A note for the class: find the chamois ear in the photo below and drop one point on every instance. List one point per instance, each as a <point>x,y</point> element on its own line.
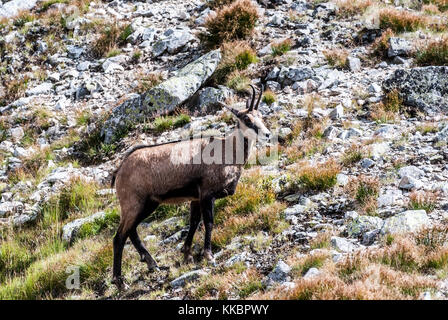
<point>223,105</point>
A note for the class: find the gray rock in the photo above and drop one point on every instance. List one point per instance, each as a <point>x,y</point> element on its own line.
<point>410,171</point>
<point>280,272</point>
<point>337,112</point>
<point>369,237</point>
<point>367,163</point>
<point>71,229</point>
<point>163,97</point>
<point>407,221</point>
<point>74,52</point>
<point>14,7</point>
<point>398,47</point>
<point>342,244</point>
<point>409,183</point>
<point>424,88</point>
<point>187,277</point>
<point>43,88</point>
<point>83,66</point>
<point>354,64</point>
<point>16,133</point>
<point>10,207</point>
<point>312,272</point>
<point>209,97</point>
<point>289,75</point>
<point>175,40</point>
<point>363,224</point>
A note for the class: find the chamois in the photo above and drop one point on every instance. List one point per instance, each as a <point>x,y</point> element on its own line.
<point>174,172</point>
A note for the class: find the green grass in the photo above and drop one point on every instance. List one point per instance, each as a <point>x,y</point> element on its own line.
<point>279,49</point>
<point>110,221</point>
<point>435,53</point>
<point>162,124</point>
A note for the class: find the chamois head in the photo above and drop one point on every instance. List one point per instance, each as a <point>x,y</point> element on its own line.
<point>250,120</point>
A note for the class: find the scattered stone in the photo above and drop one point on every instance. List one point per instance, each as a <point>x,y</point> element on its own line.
<point>342,244</point>
<point>187,277</point>
<point>407,221</point>
<point>280,272</point>
<point>71,229</point>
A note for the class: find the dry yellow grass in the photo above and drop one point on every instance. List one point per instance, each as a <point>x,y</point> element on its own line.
<point>350,8</point>
<point>336,57</point>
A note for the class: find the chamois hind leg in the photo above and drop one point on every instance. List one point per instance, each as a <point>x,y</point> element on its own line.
<point>144,254</point>
<point>207,207</point>
<point>195,218</point>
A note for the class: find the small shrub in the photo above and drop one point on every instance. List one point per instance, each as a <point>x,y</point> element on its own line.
<point>317,177</point>
<point>162,124</point>
<point>78,195</point>
<point>112,35</point>
<point>353,155</point>
<point>147,81</point>
<point>380,46</point>
<point>336,57</point>
<point>425,200</point>
<point>280,48</point>
<point>427,127</point>
<point>235,21</point>
<point>434,53</point>
<point>47,4</point>
<point>350,8</point>
<point>269,97</point>
<point>430,9</point>
<point>214,4</point>
<point>400,20</point>
<point>365,191</point>
<point>181,120</point>
<point>236,56</point>
<point>238,81</point>
<point>14,89</point>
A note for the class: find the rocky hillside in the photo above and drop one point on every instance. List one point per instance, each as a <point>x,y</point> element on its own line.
<point>350,204</point>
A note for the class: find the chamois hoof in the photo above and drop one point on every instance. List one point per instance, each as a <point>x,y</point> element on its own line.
<point>120,284</point>
<point>153,268</point>
<point>208,255</point>
<point>188,258</point>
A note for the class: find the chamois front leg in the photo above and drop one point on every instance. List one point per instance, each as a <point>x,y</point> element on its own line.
<point>195,218</point>
<point>207,207</point>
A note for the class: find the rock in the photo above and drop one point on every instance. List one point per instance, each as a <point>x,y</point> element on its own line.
<point>284,132</point>
<point>14,7</point>
<point>110,66</point>
<point>369,237</point>
<point>342,244</point>
<point>363,224</point>
<point>209,97</point>
<point>10,207</point>
<point>424,88</point>
<point>410,171</point>
<point>341,179</point>
<point>409,183</point>
<point>330,132</point>
<point>367,163</point>
<point>407,221</point>
<point>174,41</point>
<point>354,64</point>
<point>187,277</point>
<point>389,198</point>
<point>289,75</point>
<point>374,88</point>
<point>83,66</point>
<point>43,88</point>
<point>280,272</point>
<point>163,97</point>
<point>337,112</point>
<point>398,47</point>
<point>312,272</point>
<point>16,133</point>
<point>71,229</point>
<point>74,52</point>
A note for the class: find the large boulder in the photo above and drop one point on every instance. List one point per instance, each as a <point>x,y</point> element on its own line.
<point>161,98</point>
<point>407,221</point>
<point>13,8</point>
<point>71,229</point>
<point>424,88</point>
